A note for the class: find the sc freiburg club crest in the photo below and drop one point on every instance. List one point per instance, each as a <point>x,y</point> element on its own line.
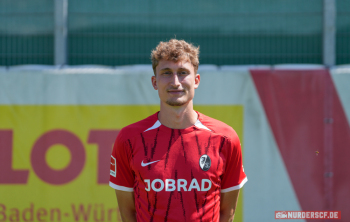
<point>205,162</point>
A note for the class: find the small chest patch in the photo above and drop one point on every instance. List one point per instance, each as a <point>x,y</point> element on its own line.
<point>205,162</point>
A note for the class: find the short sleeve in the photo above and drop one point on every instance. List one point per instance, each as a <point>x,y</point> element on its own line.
<point>234,176</point>
<point>121,175</point>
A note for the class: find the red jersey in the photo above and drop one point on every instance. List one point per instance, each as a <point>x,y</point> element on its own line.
<point>177,174</point>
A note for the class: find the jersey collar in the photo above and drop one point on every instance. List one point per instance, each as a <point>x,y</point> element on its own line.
<point>198,125</point>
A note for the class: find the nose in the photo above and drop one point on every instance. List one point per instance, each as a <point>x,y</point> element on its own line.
<point>175,82</point>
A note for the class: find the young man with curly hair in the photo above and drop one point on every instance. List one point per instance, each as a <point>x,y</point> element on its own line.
<point>177,164</point>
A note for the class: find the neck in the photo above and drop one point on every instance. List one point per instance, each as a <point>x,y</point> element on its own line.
<point>177,117</point>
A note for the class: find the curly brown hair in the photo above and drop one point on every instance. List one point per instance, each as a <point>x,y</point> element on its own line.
<point>175,50</point>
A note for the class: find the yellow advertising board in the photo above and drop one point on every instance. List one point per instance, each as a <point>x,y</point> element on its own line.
<point>54,163</point>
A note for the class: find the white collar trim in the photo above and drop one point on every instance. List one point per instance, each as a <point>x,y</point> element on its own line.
<point>198,124</point>
<point>155,126</point>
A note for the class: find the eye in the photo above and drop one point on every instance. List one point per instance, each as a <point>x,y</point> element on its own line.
<point>167,72</point>
<point>183,72</point>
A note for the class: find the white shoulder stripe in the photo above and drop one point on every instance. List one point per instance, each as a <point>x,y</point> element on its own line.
<point>239,186</point>
<point>117,187</point>
<point>200,125</point>
<point>155,126</point>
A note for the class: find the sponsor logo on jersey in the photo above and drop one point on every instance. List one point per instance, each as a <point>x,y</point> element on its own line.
<point>205,162</point>
<point>113,170</point>
<point>146,164</point>
<point>158,185</point>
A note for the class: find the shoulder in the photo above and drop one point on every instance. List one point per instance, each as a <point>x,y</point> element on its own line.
<point>218,127</point>
<point>134,129</point>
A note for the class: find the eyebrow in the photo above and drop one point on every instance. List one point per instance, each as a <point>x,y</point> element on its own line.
<point>166,69</point>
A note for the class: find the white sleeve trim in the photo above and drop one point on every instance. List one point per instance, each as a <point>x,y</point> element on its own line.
<point>239,186</point>
<point>115,186</point>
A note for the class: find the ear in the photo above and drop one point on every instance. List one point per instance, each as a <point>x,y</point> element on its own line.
<point>197,80</point>
<point>154,82</point>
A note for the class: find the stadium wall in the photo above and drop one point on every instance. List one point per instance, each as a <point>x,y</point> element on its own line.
<point>57,127</point>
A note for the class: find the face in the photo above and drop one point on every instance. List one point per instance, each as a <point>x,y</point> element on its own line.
<point>175,82</point>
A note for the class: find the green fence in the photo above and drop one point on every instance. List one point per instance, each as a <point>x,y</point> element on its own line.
<point>343,32</point>
<point>26,32</point>
<point>124,32</point>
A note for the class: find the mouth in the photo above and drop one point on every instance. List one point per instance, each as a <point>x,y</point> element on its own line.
<point>172,91</point>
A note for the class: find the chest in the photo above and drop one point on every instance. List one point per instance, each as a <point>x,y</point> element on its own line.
<point>174,156</point>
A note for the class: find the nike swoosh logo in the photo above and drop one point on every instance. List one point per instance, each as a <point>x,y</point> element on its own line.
<point>146,164</point>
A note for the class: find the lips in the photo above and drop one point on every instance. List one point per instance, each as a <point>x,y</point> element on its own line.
<point>175,91</point>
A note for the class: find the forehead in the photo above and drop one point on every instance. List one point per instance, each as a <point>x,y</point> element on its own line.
<point>166,64</point>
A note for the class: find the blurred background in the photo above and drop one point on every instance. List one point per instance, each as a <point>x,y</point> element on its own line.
<point>73,73</point>
<point>123,32</point>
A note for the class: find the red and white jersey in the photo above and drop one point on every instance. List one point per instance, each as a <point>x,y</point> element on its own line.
<point>177,174</point>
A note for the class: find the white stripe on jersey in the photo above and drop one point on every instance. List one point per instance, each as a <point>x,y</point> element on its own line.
<point>239,186</point>
<point>117,187</point>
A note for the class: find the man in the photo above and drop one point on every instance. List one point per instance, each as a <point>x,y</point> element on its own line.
<point>177,164</point>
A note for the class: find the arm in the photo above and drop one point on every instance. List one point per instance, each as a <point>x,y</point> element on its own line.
<point>228,205</point>
<point>126,203</point>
